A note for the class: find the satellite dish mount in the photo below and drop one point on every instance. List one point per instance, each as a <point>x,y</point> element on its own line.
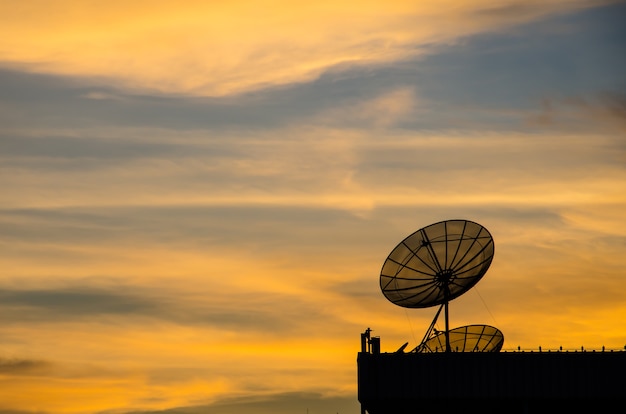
<point>435,265</point>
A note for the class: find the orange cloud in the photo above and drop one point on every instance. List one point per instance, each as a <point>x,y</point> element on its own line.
<point>219,48</point>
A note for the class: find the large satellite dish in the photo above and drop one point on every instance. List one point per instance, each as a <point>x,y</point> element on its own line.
<point>435,265</point>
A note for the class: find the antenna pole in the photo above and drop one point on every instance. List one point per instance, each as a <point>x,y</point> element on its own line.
<point>447,295</point>
<point>447,330</point>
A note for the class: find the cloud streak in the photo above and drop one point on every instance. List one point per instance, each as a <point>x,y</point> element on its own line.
<point>251,312</point>
<point>14,366</point>
<point>273,404</point>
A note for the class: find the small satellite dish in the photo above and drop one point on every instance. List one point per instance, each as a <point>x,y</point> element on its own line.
<point>436,264</point>
<point>470,338</point>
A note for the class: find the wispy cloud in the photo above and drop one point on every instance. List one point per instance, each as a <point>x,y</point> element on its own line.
<point>16,366</point>
<point>602,112</point>
<point>223,309</point>
<point>217,49</point>
<point>271,404</point>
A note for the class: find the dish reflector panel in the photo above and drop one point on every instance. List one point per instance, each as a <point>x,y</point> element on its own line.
<point>437,264</point>
<point>470,338</point>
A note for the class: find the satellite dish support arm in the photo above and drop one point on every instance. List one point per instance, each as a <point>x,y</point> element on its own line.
<point>429,330</point>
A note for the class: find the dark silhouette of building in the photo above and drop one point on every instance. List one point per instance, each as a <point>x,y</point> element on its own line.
<point>491,382</point>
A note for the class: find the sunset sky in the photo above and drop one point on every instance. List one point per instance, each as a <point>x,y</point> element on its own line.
<point>197,197</point>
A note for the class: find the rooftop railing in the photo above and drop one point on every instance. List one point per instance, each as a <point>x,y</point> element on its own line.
<point>561,349</point>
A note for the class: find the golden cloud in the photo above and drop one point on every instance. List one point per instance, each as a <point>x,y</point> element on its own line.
<point>219,48</point>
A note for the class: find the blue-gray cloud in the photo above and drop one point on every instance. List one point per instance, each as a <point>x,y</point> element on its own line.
<point>559,55</point>
<point>197,227</point>
<point>80,302</point>
<point>101,148</point>
<point>238,311</point>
